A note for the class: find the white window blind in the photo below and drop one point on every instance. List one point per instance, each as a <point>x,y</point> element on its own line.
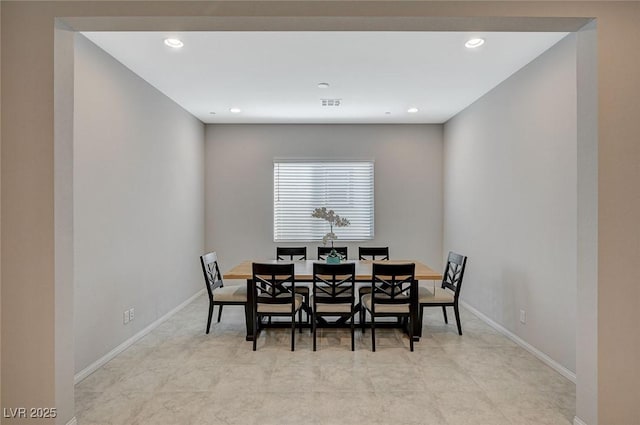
<point>301,186</point>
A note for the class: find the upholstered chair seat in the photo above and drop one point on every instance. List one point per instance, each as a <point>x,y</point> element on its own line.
<point>230,293</point>
<point>280,308</point>
<point>333,308</point>
<point>385,308</point>
<point>441,295</point>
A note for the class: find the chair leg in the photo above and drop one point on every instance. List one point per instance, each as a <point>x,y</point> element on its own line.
<point>219,312</point>
<point>210,314</point>
<point>313,326</point>
<point>293,331</point>
<point>300,320</point>
<point>362,318</point>
<point>248,319</point>
<point>457,312</point>
<point>410,326</point>
<point>444,311</point>
<point>373,333</point>
<point>353,319</point>
<point>256,320</point>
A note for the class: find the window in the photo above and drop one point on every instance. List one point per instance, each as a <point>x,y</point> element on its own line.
<point>301,186</point>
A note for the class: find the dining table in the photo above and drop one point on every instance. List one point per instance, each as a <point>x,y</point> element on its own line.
<point>303,272</point>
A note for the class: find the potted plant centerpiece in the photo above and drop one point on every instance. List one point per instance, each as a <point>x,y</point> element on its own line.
<point>334,220</point>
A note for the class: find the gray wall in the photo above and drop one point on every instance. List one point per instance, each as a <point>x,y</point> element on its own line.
<point>63,202</point>
<point>587,274</point>
<point>511,202</point>
<point>408,184</point>
<point>139,203</point>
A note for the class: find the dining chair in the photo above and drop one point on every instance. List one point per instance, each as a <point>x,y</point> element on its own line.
<point>370,253</point>
<point>219,294</point>
<point>296,253</point>
<point>394,293</point>
<point>373,253</point>
<point>323,251</point>
<point>333,294</point>
<point>448,292</point>
<point>273,289</point>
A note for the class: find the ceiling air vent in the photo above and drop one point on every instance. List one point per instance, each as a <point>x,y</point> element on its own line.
<point>331,102</point>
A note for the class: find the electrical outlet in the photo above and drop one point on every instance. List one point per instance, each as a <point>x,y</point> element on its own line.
<point>523,317</point>
<point>131,314</point>
<point>126,317</point>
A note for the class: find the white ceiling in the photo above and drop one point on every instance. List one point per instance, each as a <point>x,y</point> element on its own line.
<point>273,76</point>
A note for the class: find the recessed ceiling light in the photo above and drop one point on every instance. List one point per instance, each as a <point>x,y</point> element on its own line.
<point>323,85</point>
<point>173,42</point>
<point>412,110</point>
<point>235,110</point>
<point>472,43</point>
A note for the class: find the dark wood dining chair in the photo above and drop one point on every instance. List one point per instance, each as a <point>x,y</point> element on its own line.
<point>296,253</point>
<point>333,294</point>
<point>273,289</point>
<point>370,253</point>
<point>394,293</point>
<point>373,253</point>
<point>219,294</point>
<point>323,251</point>
<point>447,294</point>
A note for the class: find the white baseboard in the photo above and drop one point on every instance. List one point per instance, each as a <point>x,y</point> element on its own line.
<point>530,348</point>
<point>120,348</point>
<point>578,421</point>
<point>73,421</point>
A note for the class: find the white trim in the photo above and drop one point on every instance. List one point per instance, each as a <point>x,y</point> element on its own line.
<point>321,159</point>
<point>73,421</point>
<point>530,348</point>
<point>578,421</point>
<point>129,342</point>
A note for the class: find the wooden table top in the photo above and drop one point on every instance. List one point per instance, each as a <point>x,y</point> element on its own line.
<point>304,269</point>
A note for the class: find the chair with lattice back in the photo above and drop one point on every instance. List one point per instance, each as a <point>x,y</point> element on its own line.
<point>333,294</point>
<point>219,294</point>
<point>371,253</point>
<point>449,291</point>
<point>273,288</point>
<point>296,253</point>
<point>323,251</point>
<point>394,293</point>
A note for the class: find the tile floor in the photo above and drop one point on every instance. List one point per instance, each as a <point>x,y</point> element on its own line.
<point>178,375</point>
